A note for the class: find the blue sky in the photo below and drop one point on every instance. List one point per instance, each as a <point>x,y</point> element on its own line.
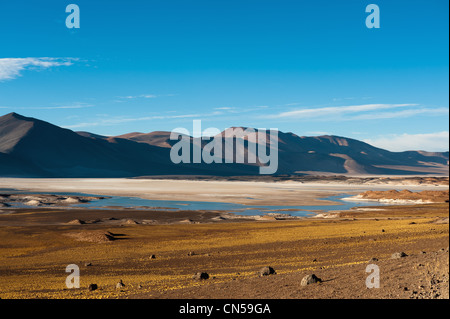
<point>307,67</point>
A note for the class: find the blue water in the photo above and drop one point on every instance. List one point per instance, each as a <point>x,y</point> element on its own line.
<point>141,203</point>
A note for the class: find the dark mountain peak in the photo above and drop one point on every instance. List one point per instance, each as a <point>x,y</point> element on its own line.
<point>14,115</point>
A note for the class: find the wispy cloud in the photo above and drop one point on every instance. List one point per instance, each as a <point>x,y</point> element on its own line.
<point>11,68</point>
<point>436,142</point>
<point>400,114</point>
<point>334,111</point>
<point>122,120</point>
<point>141,96</point>
<point>76,105</point>
<point>225,108</point>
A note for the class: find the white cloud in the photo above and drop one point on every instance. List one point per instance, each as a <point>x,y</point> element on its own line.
<point>141,96</point>
<point>11,68</point>
<point>326,112</point>
<point>432,142</point>
<point>400,114</point>
<point>224,108</point>
<point>120,120</point>
<point>76,105</point>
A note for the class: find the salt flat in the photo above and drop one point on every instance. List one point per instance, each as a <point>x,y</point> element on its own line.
<point>287,193</point>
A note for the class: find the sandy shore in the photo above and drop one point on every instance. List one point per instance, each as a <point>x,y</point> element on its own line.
<point>287,193</point>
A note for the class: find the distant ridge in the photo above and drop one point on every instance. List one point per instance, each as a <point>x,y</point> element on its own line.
<point>30,147</point>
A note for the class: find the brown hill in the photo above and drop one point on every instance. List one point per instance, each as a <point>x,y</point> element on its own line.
<point>34,148</point>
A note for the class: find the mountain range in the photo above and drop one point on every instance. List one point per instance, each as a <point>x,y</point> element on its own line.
<point>31,147</point>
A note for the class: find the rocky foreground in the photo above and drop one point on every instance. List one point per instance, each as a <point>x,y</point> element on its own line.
<point>420,276</point>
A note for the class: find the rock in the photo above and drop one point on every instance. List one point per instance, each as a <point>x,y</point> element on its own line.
<point>191,253</point>
<point>373,259</point>
<point>383,231</point>
<point>266,271</point>
<point>310,279</point>
<point>120,284</point>
<point>92,287</point>
<point>152,257</point>
<point>201,276</point>
<point>398,255</point>
<point>87,264</point>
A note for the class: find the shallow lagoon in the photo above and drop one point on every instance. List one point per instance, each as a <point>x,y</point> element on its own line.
<point>141,203</point>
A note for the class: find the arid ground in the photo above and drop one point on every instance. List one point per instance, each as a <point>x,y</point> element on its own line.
<point>158,259</point>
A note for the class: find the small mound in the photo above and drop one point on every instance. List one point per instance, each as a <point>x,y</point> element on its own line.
<point>76,222</point>
<point>71,200</point>
<point>131,222</point>
<point>33,202</point>
<point>93,237</point>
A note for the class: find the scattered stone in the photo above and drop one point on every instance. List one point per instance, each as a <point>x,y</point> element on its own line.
<point>266,271</point>
<point>310,279</point>
<point>398,255</point>
<point>201,276</point>
<point>92,287</point>
<point>120,284</point>
<point>87,264</point>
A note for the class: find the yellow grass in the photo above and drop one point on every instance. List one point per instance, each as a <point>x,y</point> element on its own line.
<point>33,259</point>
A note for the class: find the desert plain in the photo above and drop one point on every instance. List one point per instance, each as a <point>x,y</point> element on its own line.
<point>155,253</point>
